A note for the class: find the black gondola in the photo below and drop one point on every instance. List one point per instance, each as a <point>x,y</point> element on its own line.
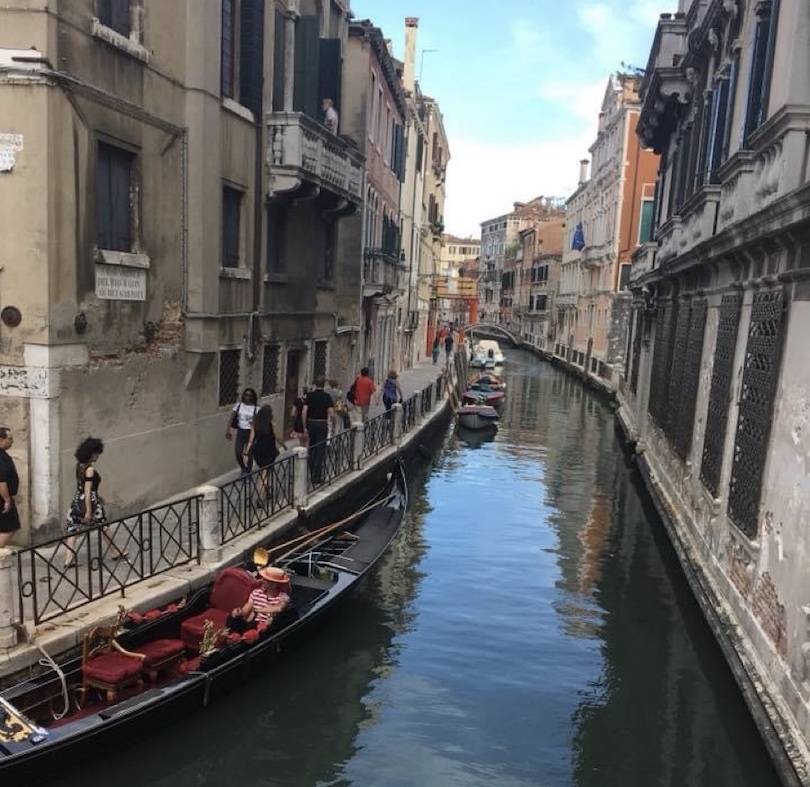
<point>324,569</point>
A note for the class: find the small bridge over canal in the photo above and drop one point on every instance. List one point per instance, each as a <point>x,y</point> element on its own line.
<point>490,330</point>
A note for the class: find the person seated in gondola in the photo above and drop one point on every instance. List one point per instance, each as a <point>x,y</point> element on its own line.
<point>265,603</point>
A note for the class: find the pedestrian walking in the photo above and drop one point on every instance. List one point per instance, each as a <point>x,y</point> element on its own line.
<point>448,345</point>
<point>364,389</point>
<point>392,391</point>
<point>339,403</point>
<point>239,423</point>
<point>263,445</point>
<point>87,507</point>
<point>437,348</point>
<point>298,431</point>
<point>318,413</point>
<point>9,486</point>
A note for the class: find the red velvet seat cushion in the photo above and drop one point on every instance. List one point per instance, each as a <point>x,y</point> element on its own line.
<point>112,668</point>
<point>191,630</point>
<point>160,649</point>
<point>231,589</point>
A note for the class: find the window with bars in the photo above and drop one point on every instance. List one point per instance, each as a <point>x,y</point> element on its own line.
<point>228,376</point>
<point>116,15</point>
<point>319,359</point>
<point>270,368</point>
<point>115,197</point>
<point>231,213</point>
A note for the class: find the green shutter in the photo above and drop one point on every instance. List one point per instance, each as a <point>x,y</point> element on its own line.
<point>645,226</point>
<point>307,58</point>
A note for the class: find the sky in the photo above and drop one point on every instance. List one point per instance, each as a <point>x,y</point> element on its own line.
<point>520,86</point>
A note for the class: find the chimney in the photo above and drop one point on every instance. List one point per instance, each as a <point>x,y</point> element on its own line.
<point>583,171</point>
<point>411,26</point>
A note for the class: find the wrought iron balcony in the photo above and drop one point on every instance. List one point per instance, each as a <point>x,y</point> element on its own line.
<point>301,151</point>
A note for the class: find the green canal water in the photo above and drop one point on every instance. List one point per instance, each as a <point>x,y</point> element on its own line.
<point>529,628</point>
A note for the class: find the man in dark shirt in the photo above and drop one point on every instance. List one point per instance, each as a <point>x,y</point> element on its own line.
<point>9,485</point>
<point>318,414</point>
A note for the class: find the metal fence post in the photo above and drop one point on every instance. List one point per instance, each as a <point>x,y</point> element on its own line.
<point>420,404</point>
<point>300,476</point>
<point>397,413</point>
<point>359,444</point>
<point>210,525</point>
<point>8,634</point>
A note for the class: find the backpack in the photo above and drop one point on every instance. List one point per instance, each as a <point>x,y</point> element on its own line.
<point>389,391</point>
<point>352,394</point>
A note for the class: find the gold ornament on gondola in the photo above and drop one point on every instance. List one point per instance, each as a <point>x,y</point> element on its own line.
<point>261,557</point>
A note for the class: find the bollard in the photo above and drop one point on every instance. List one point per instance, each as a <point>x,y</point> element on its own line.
<point>397,411</point>
<point>8,633</point>
<point>210,526</point>
<point>359,444</point>
<point>300,476</point>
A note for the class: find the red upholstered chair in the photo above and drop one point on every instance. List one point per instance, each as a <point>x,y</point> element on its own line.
<point>160,654</point>
<point>231,589</point>
<point>108,666</point>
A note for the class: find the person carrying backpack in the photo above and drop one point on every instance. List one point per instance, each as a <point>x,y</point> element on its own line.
<point>391,392</point>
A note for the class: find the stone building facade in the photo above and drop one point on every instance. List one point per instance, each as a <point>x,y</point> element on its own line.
<point>717,382</point>
<point>608,216</point>
<point>374,115</point>
<point>171,201</point>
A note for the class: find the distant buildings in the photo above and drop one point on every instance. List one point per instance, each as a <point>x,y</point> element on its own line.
<point>607,217</point>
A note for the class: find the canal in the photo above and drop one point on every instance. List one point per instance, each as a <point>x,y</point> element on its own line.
<point>529,627</point>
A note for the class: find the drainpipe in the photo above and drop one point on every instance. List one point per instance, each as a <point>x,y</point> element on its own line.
<point>258,210</point>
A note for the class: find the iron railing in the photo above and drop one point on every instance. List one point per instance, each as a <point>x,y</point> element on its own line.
<point>379,433</point>
<point>250,500</point>
<point>409,413</point>
<point>331,459</point>
<point>107,559</point>
<point>426,404</point>
<point>439,388</point>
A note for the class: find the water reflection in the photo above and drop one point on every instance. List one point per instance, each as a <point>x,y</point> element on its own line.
<point>529,627</point>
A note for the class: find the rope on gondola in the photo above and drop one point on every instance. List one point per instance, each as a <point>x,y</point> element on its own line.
<point>47,661</point>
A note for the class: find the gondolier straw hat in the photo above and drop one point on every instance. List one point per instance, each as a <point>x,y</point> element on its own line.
<point>274,574</point>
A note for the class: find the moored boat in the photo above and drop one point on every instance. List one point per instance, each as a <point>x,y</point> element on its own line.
<point>475,396</point>
<point>169,663</point>
<point>477,416</point>
<point>486,355</point>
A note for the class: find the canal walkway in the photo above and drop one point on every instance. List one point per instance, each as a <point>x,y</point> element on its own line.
<point>180,544</point>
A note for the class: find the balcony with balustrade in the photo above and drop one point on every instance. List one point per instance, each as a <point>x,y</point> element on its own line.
<point>383,273</point>
<point>303,154</point>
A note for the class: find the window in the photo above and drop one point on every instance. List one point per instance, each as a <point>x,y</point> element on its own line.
<point>270,364</point>
<point>276,238</point>
<point>115,198</point>
<point>759,83</point>
<point>228,49</point>
<point>115,14</point>
<point>251,55</point>
<point>624,276</point>
<point>645,225</point>
<point>278,62</point>
<point>329,231</point>
<point>228,377</point>
<point>231,210</point>
<point>319,359</point>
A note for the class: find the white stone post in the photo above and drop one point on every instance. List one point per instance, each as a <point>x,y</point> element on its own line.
<point>397,411</point>
<point>359,444</point>
<point>300,476</point>
<point>8,634</point>
<point>210,529</point>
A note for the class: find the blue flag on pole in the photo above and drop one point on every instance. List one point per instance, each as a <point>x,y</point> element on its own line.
<point>578,241</point>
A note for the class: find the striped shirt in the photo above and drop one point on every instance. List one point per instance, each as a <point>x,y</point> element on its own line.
<point>265,606</point>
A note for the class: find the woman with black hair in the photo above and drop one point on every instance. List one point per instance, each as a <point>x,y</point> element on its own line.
<point>239,421</point>
<point>262,444</point>
<point>87,508</point>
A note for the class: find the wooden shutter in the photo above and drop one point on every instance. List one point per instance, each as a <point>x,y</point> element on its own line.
<point>279,43</point>
<point>121,199</point>
<point>103,202</point>
<point>307,58</point>
<point>251,55</point>
<point>226,46</point>
<point>329,70</point>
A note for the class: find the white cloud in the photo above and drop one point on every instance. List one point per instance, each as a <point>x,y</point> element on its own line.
<point>583,99</point>
<point>484,180</point>
<point>528,41</point>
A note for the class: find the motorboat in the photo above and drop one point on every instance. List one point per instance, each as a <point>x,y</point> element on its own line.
<point>486,354</point>
<point>477,416</point>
